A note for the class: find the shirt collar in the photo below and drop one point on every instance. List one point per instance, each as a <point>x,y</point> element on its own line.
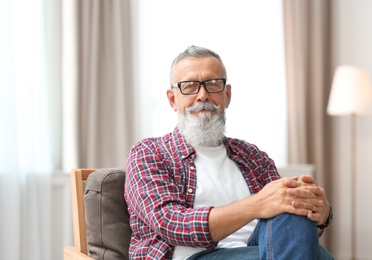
<point>183,148</point>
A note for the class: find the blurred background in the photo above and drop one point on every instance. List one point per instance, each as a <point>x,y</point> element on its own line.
<point>83,80</point>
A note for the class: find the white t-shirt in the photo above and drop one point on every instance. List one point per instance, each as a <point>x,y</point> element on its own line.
<point>219,182</point>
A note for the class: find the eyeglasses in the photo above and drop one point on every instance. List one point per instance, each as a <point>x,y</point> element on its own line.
<point>193,87</point>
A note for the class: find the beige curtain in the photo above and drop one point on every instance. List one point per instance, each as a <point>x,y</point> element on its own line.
<point>104,82</point>
<point>308,68</point>
<point>307,41</point>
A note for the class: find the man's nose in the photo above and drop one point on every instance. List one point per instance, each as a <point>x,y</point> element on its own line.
<point>203,95</point>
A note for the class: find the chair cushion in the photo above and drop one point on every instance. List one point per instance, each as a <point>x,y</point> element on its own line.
<point>106,214</point>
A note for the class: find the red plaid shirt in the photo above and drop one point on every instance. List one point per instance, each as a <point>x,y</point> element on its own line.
<point>160,191</point>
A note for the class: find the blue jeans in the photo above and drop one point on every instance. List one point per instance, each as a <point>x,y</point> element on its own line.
<point>286,236</point>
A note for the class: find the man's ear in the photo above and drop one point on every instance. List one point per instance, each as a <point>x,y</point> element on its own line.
<point>172,99</point>
<point>228,95</point>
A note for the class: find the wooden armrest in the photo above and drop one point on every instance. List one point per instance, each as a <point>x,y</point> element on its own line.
<point>72,253</point>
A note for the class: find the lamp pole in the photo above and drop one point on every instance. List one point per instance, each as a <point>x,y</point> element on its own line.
<point>353,186</point>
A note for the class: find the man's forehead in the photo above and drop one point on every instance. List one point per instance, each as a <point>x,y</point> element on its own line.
<point>192,63</point>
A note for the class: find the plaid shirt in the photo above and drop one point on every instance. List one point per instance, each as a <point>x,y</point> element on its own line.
<point>160,192</point>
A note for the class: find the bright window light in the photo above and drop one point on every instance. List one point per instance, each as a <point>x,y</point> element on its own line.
<point>248,35</point>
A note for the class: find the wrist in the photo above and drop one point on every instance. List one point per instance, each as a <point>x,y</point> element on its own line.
<point>328,221</point>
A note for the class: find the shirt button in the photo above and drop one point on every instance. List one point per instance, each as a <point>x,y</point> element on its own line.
<point>190,190</point>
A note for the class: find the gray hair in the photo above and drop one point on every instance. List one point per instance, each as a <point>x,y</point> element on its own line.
<point>196,51</point>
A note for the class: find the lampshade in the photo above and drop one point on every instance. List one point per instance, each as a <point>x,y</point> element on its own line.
<point>351,92</point>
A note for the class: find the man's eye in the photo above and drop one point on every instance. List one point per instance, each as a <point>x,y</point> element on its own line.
<point>189,85</point>
<point>211,84</point>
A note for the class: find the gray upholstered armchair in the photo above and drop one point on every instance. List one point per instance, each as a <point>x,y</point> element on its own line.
<point>100,215</point>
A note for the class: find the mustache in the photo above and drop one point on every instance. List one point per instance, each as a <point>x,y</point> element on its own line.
<point>202,106</point>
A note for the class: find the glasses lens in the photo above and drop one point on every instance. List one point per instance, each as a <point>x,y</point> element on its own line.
<point>215,85</point>
<point>212,86</point>
<point>189,87</point>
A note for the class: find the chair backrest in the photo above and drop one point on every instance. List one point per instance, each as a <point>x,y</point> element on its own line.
<point>100,215</point>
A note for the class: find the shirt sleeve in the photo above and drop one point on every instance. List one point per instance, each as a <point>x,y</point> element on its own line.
<point>157,204</point>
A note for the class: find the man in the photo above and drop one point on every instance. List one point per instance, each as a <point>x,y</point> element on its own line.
<point>196,194</point>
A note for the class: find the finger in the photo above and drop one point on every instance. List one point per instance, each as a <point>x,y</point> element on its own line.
<point>300,212</point>
<point>306,191</point>
<point>316,190</point>
<point>307,179</point>
<point>314,205</point>
<point>294,178</point>
<point>301,192</point>
<point>307,184</point>
<point>314,217</point>
<point>292,183</point>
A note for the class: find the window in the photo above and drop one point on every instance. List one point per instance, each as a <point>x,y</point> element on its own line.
<point>248,35</point>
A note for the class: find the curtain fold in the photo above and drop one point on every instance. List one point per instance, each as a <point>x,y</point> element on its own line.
<point>307,47</point>
<point>26,164</point>
<point>308,72</point>
<point>104,83</point>
<point>35,106</point>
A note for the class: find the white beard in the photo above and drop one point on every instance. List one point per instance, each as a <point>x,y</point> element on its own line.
<point>202,130</point>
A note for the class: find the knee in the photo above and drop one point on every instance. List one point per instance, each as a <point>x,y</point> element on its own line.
<point>286,227</point>
<point>298,226</point>
<point>292,218</point>
<point>287,236</point>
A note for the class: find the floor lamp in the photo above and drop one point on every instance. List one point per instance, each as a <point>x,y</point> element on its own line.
<point>351,95</point>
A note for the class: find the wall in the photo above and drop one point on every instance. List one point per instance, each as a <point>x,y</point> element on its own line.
<point>352,41</point>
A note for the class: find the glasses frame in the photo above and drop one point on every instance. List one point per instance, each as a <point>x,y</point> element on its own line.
<point>201,83</point>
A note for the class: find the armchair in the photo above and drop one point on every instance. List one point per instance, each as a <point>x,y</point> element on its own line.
<point>100,215</point>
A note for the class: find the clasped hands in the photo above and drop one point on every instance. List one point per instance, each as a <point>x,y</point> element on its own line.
<point>308,196</point>
<point>300,196</point>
